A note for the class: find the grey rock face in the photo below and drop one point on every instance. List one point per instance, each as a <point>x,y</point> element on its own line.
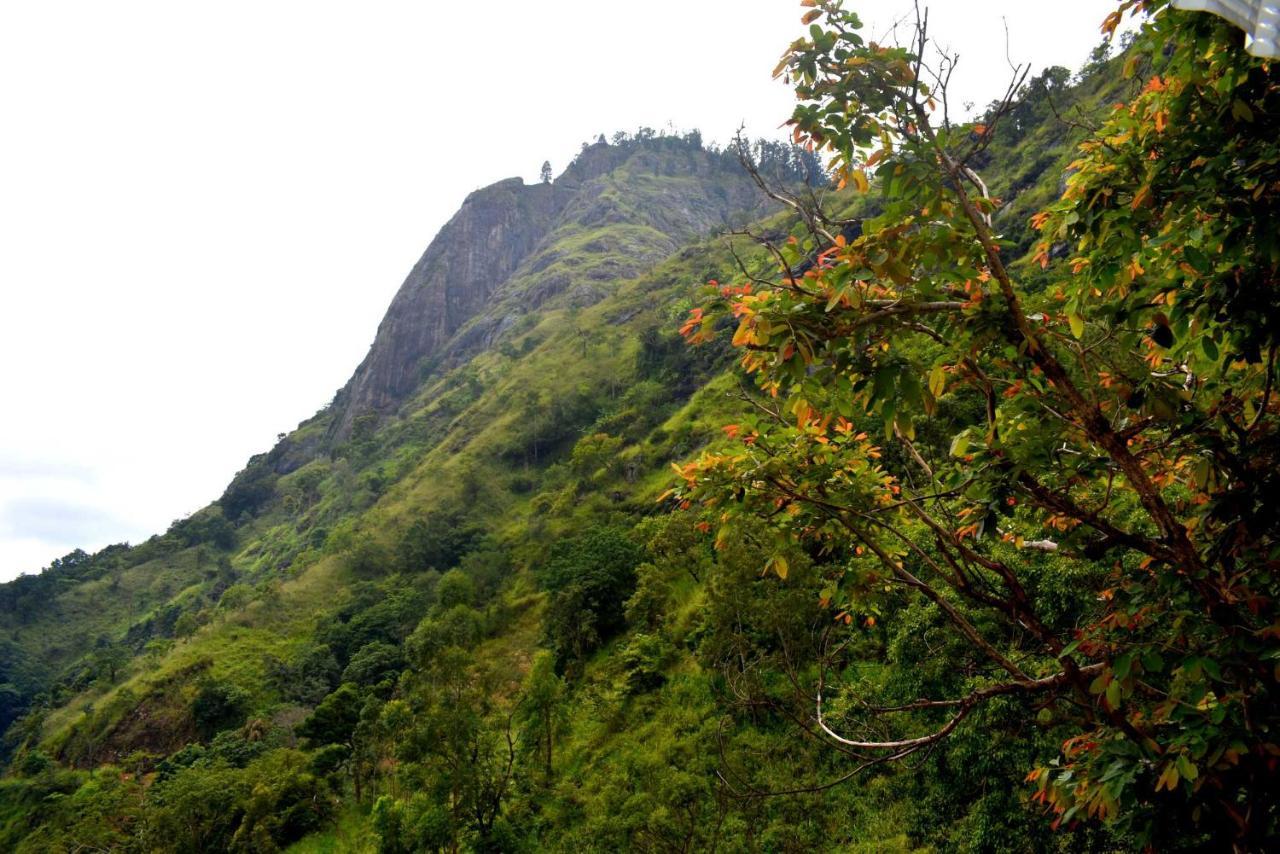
<point>503,252</point>
<point>475,252</point>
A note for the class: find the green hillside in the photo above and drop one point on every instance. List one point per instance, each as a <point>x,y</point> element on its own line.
<point>455,610</point>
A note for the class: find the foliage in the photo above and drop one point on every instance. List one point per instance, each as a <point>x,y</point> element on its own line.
<point>589,577</point>
<point>541,709</point>
<point>218,706</point>
<point>268,804</point>
<point>1127,422</point>
<point>437,542</point>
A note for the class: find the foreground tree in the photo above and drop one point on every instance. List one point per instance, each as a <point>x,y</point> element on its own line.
<point>1097,530</point>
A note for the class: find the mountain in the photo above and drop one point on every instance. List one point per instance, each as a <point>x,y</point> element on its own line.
<point>613,214</point>
<point>445,611</point>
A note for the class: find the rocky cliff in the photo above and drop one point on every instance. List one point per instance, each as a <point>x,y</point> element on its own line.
<point>615,212</point>
<point>476,251</point>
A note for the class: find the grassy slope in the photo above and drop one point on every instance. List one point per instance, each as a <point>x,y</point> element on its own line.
<point>475,435</point>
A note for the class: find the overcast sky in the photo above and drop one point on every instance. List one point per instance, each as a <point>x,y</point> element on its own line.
<point>205,207</point>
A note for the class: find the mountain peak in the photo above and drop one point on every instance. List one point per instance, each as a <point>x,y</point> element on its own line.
<point>669,188</point>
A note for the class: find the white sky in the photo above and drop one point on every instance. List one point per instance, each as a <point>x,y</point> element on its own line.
<point>206,207</point>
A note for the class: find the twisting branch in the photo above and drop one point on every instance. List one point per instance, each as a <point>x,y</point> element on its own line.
<point>964,707</point>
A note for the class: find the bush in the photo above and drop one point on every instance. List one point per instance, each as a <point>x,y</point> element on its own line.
<point>437,542</point>
<point>218,706</point>
<point>267,805</point>
<point>455,588</point>
<point>367,557</point>
<point>643,660</point>
<point>373,663</point>
<point>460,626</point>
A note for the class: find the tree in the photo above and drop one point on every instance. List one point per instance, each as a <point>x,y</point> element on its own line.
<point>545,174</point>
<point>1096,531</point>
<point>541,706</point>
<point>343,727</point>
<point>590,578</point>
<point>437,542</point>
<point>368,557</point>
<point>334,720</point>
<point>218,706</point>
<point>108,659</point>
<point>467,745</point>
<point>595,452</point>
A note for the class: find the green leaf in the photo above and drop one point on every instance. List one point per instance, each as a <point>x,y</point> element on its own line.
<point>1113,694</point>
<point>909,388</point>
<point>1210,348</point>
<point>1186,767</point>
<point>1197,259</point>
<point>1077,324</point>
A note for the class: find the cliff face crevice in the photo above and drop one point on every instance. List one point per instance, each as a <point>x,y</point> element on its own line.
<point>614,213</point>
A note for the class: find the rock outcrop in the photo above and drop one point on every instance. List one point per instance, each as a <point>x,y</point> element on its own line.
<point>512,245</point>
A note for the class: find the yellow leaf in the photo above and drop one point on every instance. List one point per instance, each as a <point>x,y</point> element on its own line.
<point>810,17</point>
<point>780,566</point>
<point>860,180</point>
<point>1077,324</point>
<point>937,381</point>
<point>1168,778</point>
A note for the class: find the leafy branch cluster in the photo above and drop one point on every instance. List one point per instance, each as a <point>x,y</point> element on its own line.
<point>1112,417</point>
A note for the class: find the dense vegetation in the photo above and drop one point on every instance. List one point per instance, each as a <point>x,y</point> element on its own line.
<point>969,546</point>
